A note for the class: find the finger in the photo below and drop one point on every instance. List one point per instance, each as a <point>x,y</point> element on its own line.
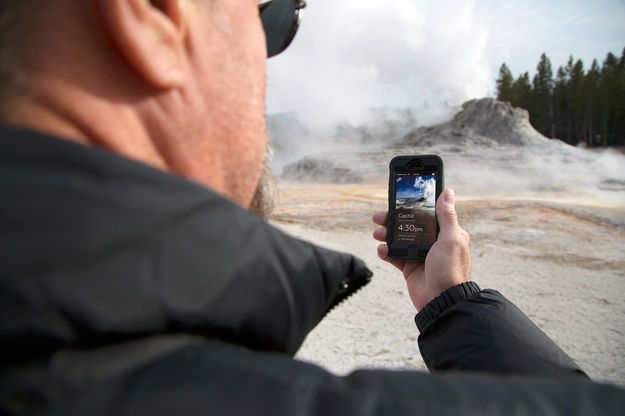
<point>380,218</point>
<point>446,213</point>
<point>380,234</point>
<point>383,254</point>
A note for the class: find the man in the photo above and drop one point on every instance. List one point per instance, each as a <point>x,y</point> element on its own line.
<point>133,281</point>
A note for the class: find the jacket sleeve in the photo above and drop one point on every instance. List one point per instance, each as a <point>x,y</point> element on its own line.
<point>220,379</point>
<point>469,329</point>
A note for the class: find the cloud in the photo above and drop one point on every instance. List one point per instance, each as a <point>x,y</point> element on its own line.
<point>353,55</point>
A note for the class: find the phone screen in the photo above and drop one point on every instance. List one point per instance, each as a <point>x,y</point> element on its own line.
<point>415,201</point>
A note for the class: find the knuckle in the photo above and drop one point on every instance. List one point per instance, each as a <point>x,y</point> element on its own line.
<point>452,215</point>
<point>453,239</point>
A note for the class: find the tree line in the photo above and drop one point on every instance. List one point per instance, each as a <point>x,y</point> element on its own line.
<point>576,105</point>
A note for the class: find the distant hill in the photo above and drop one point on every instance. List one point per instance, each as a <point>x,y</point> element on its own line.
<point>482,122</point>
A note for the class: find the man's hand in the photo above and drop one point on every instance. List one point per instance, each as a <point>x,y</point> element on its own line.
<point>446,265</point>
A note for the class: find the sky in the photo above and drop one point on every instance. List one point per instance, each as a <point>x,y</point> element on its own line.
<point>350,56</point>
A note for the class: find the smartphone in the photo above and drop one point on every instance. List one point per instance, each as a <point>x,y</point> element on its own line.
<point>415,183</point>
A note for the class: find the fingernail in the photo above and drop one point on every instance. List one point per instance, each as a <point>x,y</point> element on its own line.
<point>450,196</point>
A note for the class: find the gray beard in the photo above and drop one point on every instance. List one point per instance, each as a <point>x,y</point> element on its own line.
<point>266,194</point>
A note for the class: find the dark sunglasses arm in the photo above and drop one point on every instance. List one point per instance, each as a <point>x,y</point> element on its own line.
<point>263,4</point>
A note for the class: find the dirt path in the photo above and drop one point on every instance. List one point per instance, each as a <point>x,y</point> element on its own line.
<point>562,264</point>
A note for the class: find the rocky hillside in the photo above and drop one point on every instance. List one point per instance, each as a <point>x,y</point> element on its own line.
<point>490,150</point>
<point>483,122</point>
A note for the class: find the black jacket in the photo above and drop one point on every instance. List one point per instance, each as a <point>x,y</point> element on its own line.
<point>127,290</point>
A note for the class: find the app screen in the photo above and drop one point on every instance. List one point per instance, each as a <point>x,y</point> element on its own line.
<point>415,200</point>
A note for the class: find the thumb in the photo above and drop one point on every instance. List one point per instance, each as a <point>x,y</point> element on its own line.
<point>446,211</point>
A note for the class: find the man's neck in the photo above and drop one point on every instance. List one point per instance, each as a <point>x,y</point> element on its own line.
<point>71,114</point>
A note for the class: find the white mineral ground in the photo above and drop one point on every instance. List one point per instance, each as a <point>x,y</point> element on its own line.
<point>547,226</point>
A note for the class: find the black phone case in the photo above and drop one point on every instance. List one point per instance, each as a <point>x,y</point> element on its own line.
<point>414,253</point>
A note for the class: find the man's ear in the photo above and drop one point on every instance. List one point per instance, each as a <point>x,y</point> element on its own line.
<point>150,35</point>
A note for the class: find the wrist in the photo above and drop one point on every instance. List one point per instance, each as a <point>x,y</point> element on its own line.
<point>444,301</point>
<point>433,293</point>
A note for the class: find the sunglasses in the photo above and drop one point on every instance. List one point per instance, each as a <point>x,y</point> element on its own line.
<point>280,18</point>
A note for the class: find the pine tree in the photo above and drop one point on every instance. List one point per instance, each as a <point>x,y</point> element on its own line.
<point>505,91</point>
<point>591,108</point>
<point>608,86</point>
<point>523,94</point>
<point>578,102</point>
<point>543,115</point>
<point>561,105</point>
<point>620,94</point>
